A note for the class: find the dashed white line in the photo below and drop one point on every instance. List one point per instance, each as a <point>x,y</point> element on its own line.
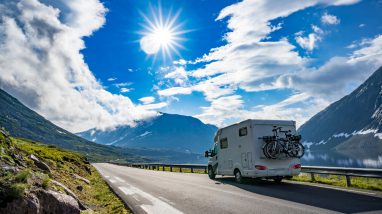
<point>135,197</point>
<point>156,205</point>
<point>119,179</point>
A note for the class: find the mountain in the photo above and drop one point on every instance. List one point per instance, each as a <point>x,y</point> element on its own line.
<point>167,131</point>
<point>22,122</point>
<point>352,124</point>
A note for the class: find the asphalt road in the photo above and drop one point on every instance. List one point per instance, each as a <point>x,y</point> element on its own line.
<point>148,191</point>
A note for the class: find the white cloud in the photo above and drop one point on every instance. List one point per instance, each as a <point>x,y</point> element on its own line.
<point>41,64</point>
<point>221,109</point>
<point>317,30</point>
<point>122,84</point>
<point>124,90</point>
<point>147,100</point>
<point>330,19</point>
<point>174,91</point>
<point>339,75</point>
<point>308,43</point>
<point>250,62</point>
<point>154,106</point>
<point>178,74</point>
<point>111,79</point>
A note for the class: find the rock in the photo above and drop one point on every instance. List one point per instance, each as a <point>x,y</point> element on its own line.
<point>81,178</point>
<point>3,132</point>
<point>18,159</point>
<point>29,204</point>
<point>54,202</point>
<point>39,163</point>
<point>12,169</point>
<point>69,192</point>
<point>80,188</point>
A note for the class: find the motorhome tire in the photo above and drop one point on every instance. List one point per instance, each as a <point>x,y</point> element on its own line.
<point>211,172</point>
<point>277,180</point>
<point>238,177</point>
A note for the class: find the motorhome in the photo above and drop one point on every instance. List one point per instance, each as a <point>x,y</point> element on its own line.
<point>244,149</point>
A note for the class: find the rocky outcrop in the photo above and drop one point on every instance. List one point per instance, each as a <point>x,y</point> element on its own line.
<point>43,201</point>
<point>39,163</point>
<point>70,193</point>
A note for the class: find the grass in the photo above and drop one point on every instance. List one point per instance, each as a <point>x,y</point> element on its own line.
<point>336,180</point>
<point>63,164</point>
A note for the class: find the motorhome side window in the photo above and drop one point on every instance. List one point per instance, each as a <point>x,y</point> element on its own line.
<point>243,131</point>
<point>224,143</point>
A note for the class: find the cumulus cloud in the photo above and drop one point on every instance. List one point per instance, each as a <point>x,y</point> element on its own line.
<point>308,43</point>
<point>41,64</point>
<point>178,74</point>
<point>330,19</point>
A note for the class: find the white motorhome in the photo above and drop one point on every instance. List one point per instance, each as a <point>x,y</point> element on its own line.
<point>238,151</point>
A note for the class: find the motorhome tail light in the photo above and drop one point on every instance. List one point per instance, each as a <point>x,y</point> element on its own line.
<point>259,167</point>
<point>297,166</point>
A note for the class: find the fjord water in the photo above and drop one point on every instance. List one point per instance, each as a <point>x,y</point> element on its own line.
<point>336,159</point>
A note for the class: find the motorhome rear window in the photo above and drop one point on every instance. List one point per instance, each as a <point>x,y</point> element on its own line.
<point>224,143</point>
<point>243,131</point>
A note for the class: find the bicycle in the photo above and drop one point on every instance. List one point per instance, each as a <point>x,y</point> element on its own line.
<point>275,145</point>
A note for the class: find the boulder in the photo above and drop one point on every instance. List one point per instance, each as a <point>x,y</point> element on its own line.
<point>70,193</point>
<point>29,204</point>
<point>54,202</point>
<point>39,163</point>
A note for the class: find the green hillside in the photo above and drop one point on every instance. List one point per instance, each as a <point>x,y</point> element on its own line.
<point>26,181</point>
<point>22,122</point>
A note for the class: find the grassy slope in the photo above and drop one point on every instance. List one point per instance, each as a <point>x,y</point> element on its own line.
<point>96,195</point>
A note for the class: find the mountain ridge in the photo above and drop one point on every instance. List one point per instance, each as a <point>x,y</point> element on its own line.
<point>357,115</point>
<point>23,122</point>
<point>166,131</point>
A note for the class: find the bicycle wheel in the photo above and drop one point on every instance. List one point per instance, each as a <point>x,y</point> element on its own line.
<point>271,150</point>
<point>298,150</point>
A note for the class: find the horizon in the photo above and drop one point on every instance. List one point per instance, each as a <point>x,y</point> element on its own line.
<point>101,64</point>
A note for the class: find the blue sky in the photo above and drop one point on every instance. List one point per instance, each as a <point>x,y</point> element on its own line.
<point>85,63</point>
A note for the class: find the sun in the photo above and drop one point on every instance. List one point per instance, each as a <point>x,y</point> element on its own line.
<point>161,35</point>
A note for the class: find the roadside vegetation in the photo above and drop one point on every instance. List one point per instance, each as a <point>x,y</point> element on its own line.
<point>64,172</point>
<point>336,180</point>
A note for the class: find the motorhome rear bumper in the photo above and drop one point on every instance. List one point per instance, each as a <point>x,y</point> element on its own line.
<point>271,173</point>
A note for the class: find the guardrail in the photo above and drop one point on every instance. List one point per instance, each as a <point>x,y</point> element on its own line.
<point>312,170</point>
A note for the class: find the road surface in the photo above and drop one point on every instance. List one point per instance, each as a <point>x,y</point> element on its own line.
<point>148,191</point>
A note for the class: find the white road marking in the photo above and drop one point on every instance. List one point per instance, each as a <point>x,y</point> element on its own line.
<point>106,176</point>
<point>135,197</point>
<point>156,206</point>
<point>112,180</point>
<point>119,179</point>
<point>166,200</point>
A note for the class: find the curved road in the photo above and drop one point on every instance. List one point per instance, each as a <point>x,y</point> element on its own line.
<point>148,191</point>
